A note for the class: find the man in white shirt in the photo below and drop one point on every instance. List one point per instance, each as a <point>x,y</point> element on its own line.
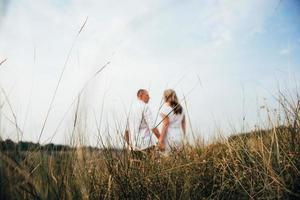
<point>141,132</point>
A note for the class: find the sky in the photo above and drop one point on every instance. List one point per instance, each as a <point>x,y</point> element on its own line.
<point>226,58</point>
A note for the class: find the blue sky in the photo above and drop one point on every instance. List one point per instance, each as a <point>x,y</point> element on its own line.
<point>240,50</point>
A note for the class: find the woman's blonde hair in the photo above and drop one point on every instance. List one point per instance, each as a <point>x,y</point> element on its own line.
<point>171,97</point>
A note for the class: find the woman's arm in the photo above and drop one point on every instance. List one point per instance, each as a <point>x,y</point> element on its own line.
<point>164,130</point>
<point>183,125</point>
<point>126,136</point>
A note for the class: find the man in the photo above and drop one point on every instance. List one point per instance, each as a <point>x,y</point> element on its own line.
<point>141,132</point>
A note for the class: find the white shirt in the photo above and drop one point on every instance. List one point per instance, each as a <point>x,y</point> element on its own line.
<point>140,123</point>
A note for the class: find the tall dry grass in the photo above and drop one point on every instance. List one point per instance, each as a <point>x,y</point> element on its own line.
<point>262,164</point>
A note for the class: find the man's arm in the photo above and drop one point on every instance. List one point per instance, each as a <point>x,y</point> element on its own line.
<point>150,122</point>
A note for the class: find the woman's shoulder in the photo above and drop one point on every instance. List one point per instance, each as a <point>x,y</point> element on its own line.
<point>166,109</point>
<point>166,105</point>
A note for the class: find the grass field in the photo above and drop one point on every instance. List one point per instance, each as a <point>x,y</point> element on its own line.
<point>262,164</point>
<point>258,165</point>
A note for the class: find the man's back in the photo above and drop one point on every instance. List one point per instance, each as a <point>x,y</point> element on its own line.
<point>140,125</point>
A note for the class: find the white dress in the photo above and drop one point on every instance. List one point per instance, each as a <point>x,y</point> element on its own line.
<point>174,135</point>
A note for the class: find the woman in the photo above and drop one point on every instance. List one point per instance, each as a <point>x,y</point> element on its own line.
<point>173,119</point>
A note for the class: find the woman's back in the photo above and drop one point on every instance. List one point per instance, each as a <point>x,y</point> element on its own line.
<point>174,119</point>
<point>174,134</point>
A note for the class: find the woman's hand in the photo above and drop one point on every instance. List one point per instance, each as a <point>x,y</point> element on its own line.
<point>161,144</point>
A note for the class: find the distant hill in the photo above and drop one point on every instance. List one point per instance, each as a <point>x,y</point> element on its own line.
<point>9,145</point>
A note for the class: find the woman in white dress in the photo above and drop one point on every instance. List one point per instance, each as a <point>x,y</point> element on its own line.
<point>173,119</point>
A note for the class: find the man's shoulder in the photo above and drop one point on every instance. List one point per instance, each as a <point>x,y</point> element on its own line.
<point>139,106</point>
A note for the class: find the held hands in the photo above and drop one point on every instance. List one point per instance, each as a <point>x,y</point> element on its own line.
<point>161,144</point>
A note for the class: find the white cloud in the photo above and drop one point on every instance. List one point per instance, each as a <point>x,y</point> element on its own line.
<point>222,36</point>
<point>232,21</point>
<point>285,51</point>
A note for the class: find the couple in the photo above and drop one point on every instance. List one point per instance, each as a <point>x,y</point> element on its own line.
<point>142,133</point>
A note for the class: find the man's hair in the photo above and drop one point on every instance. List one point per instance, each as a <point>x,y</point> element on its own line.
<point>140,92</point>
